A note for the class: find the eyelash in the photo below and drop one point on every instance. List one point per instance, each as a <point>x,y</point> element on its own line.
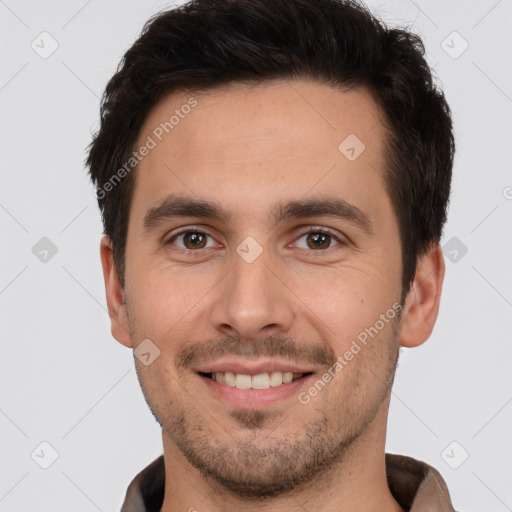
<point>197,252</point>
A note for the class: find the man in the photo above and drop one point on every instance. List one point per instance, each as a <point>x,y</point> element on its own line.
<point>273,177</point>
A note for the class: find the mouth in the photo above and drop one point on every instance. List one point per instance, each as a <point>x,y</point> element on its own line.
<point>249,385</point>
<point>260,381</point>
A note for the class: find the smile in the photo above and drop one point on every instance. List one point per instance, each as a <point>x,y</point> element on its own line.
<point>259,381</point>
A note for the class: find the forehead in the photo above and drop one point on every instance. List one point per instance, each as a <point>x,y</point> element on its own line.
<point>250,144</point>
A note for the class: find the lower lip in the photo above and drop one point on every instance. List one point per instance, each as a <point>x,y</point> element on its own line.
<point>254,398</point>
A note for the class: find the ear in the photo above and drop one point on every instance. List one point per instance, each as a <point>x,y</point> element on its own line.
<point>119,324</point>
<point>422,302</point>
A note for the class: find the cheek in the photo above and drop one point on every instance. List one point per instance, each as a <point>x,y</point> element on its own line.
<point>165,300</point>
<point>360,381</point>
<point>345,305</point>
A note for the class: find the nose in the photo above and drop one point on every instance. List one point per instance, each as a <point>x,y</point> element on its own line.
<point>253,301</point>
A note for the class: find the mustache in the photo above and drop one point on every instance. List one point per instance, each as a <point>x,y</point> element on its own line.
<point>270,346</point>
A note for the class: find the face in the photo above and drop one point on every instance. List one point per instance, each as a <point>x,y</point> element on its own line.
<point>261,252</point>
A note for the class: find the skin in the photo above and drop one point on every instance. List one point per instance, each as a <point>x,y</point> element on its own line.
<point>249,148</point>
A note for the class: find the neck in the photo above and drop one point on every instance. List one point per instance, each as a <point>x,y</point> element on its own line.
<point>356,483</point>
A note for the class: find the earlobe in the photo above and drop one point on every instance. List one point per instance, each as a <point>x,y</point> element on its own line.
<point>116,304</point>
<point>422,302</point>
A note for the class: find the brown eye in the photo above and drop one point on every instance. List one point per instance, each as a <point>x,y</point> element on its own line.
<point>192,240</point>
<point>318,240</point>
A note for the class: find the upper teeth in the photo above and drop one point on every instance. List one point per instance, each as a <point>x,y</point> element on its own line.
<point>260,381</point>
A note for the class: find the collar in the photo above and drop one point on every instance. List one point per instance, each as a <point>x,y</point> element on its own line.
<point>415,485</point>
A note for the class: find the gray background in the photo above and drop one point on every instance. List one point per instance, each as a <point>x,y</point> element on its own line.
<point>66,382</point>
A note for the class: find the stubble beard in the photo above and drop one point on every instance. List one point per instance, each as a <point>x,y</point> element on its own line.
<point>255,463</point>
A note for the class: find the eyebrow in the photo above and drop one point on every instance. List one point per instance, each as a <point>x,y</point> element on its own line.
<point>321,206</point>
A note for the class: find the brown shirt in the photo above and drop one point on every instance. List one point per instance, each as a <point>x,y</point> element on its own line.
<point>415,485</point>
